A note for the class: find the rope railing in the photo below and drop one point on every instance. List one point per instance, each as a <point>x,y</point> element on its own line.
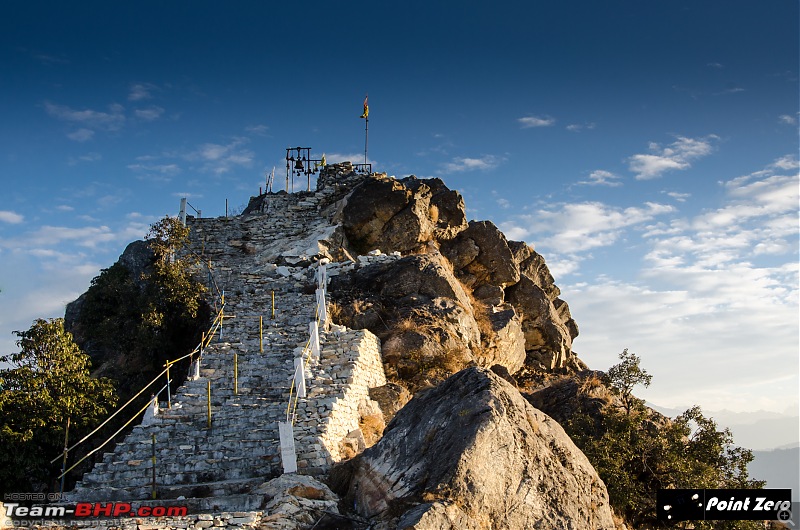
<point>199,348</point>
<point>131,400</point>
<point>93,451</point>
<point>291,407</point>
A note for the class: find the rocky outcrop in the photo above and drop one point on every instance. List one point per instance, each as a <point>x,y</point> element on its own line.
<point>400,215</point>
<point>472,453</point>
<point>481,256</point>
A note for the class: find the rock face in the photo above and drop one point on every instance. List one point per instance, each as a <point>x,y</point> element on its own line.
<point>429,324</point>
<point>400,215</point>
<point>472,453</point>
<point>423,216</point>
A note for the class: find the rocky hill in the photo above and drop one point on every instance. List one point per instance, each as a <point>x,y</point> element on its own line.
<point>413,413</point>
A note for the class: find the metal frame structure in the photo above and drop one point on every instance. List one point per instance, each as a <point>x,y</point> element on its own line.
<point>298,163</point>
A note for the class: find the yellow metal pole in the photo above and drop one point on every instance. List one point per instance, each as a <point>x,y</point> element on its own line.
<point>203,343</point>
<point>208,393</point>
<point>273,305</point>
<point>261,333</point>
<point>169,397</point>
<point>235,373</point>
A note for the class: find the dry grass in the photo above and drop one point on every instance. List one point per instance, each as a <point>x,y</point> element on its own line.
<point>405,324</point>
<point>434,213</point>
<point>590,383</point>
<point>372,428</point>
<point>335,312</point>
<point>346,452</point>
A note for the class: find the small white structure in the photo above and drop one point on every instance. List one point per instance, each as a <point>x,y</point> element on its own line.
<point>299,377</point>
<point>288,454</point>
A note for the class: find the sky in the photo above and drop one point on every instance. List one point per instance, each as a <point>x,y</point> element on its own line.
<point>648,150</point>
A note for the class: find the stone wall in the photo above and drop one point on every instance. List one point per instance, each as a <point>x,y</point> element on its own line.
<point>342,394</point>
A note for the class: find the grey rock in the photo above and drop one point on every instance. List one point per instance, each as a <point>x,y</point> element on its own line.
<point>473,441</point>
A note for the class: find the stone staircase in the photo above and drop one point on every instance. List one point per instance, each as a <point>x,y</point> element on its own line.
<point>241,448</point>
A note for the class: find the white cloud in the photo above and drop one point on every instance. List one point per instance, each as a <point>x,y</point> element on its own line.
<point>260,130</point>
<point>81,135</point>
<point>573,228</point>
<point>220,159</point>
<point>535,121</point>
<point>577,127</point>
<point>64,208</point>
<point>601,177</point>
<point>150,113</point>
<point>112,120</point>
<point>680,197</point>
<point>675,156</point>
<point>787,119</point>
<point>483,163</point>
<point>155,172</point>
<point>141,91</point>
<point>709,338</point>
<point>13,218</point>
<point>88,157</point>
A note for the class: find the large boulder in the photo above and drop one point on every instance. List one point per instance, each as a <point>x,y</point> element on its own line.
<point>481,256</point>
<point>401,215</point>
<point>546,335</point>
<point>420,311</point>
<point>472,453</point>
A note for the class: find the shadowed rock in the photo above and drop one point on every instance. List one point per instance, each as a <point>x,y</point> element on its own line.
<point>473,453</point>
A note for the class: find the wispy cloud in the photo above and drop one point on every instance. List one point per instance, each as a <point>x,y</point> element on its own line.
<point>715,287</point>
<point>141,91</point>
<point>601,177</point>
<point>578,127</point>
<point>88,157</point>
<point>81,135</point>
<point>527,122</point>
<point>222,158</point>
<point>787,119</point>
<point>259,130</point>
<point>571,228</point>
<point>680,197</point>
<point>10,217</point>
<point>155,172</point>
<point>150,113</point>
<point>483,163</point>
<point>675,156</point>
<point>758,218</point>
<point>112,120</point>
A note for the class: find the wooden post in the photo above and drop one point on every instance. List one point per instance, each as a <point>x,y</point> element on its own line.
<point>261,333</point>
<point>64,462</point>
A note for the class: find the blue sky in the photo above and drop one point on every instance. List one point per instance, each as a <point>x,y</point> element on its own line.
<point>647,149</point>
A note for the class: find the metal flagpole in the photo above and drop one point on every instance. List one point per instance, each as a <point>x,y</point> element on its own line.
<point>366,137</point>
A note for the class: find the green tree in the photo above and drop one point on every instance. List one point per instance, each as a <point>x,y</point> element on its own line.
<point>637,451</point>
<point>48,382</point>
<point>173,271</point>
<point>134,324</point>
<point>625,376</point>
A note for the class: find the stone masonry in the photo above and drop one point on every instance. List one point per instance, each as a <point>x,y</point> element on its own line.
<point>273,250</point>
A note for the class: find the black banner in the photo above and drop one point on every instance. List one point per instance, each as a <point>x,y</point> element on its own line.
<point>724,505</point>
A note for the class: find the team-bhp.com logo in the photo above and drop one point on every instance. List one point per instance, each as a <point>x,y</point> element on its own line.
<point>91,509</point>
